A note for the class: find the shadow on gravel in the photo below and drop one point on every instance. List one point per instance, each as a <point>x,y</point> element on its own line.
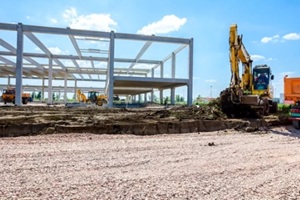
<point>288,131</point>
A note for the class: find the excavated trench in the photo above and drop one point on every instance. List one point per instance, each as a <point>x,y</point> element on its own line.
<point>36,120</point>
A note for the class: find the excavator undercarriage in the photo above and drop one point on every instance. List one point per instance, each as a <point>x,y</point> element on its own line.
<point>251,106</point>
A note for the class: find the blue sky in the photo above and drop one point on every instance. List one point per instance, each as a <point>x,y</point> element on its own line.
<point>271,31</point>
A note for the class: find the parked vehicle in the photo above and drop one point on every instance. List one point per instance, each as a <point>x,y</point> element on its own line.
<point>292,96</point>
<point>9,95</point>
<point>93,97</point>
<point>291,89</point>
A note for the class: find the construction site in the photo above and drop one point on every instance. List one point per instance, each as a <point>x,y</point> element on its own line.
<point>115,141</point>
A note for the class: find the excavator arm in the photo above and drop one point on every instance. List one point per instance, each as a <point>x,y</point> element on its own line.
<point>247,68</point>
<point>80,96</point>
<point>238,53</point>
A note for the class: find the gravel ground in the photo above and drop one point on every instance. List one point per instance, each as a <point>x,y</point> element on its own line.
<point>211,165</point>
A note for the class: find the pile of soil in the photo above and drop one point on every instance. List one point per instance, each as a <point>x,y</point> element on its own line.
<point>35,120</point>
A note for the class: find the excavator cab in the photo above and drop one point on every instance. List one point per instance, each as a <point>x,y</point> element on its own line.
<point>92,96</point>
<point>96,97</point>
<point>262,77</point>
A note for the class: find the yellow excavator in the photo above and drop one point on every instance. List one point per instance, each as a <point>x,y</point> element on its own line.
<point>250,93</point>
<point>93,97</point>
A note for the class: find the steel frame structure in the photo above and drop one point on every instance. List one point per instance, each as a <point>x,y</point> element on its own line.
<point>117,80</point>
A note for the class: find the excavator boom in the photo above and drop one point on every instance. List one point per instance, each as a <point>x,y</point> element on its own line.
<point>238,53</point>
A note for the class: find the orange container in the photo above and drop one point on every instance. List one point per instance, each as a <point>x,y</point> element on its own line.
<point>291,89</point>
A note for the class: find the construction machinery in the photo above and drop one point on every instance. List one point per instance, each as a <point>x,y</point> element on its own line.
<point>93,97</point>
<point>291,89</point>
<point>9,95</point>
<point>292,97</point>
<point>250,92</point>
<point>295,114</point>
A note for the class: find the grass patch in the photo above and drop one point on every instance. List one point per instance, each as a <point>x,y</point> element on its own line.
<point>284,108</point>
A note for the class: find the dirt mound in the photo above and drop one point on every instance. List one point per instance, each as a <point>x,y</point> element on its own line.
<point>33,120</point>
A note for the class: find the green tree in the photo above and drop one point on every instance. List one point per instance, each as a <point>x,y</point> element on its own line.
<point>57,97</point>
<point>39,95</point>
<point>177,98</point>
<point>33,96</point>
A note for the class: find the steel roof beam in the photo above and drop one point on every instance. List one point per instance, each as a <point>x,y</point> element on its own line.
<point>151,38</point>
<point>38,43</point>
<point>88,33</point>
<point>101,71</point>
<point>33,62</point>
<point>170,55</point>
<point>8,71</point>
<point>8,46</point>
<point>7,61</point>
<point>59,63</point>
<point>103,59</point>
<point>140,54</point>
<point>73,40</point>
<point>62,66</point>
<point>78,67</point>
<point>56,88</point>
<point>14,51</point>
<point>65,31</point>
<point>150,79</point>
<point>8,27</point>
<point>36,73</point>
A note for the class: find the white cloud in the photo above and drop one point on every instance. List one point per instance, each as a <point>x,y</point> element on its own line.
<point>291,36</point>
<point>68,63</point>
<point>53,21</point>
<point>28,17</point>
<point>99,22</point>
<point>270,39</point>
<point>84,63</point>
<point>210,81</point>
<point>100,65</point>
<point>55,50</point>
<point>143,66</point>
<point>266,39</point>
<point>69,14</point>
<point>257,57</point>
<point>167,24</point>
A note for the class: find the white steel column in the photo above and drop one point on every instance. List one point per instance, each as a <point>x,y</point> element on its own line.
<point>75,92</point>
<point>190,84</point>
<point>8,81</point>
<point>65,88</point>
<point>19,65</point>
<point>134,98</point>
<point>50,82</point>
<point>161,96</point>
<point>43,89</point>
<point>152,92</point>
<point>111,70</point>
<point>173,76</point>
